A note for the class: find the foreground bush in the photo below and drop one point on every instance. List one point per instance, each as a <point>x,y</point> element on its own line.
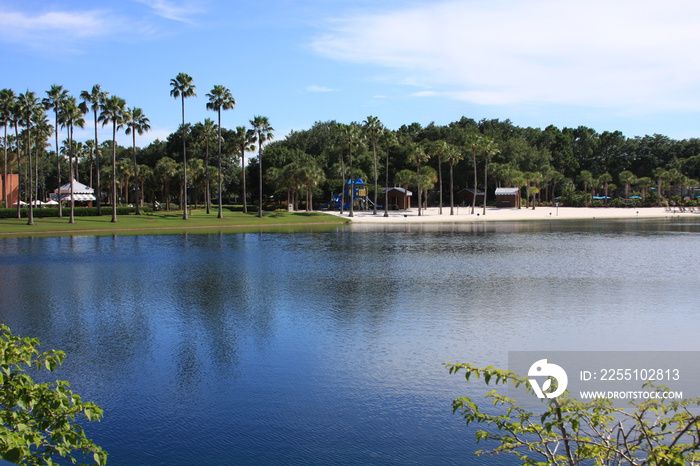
<point>40,420</point>
<point>569,432</point>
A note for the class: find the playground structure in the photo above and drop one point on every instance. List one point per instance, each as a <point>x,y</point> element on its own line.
<point>354,192</point>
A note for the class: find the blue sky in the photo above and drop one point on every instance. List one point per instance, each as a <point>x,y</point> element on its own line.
<point>628,65</point>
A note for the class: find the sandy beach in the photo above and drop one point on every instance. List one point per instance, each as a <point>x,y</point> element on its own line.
<point>463,214</point>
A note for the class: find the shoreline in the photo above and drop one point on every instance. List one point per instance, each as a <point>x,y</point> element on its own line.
<point>463,214</point>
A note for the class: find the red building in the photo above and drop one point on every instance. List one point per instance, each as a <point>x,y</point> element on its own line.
<point>12,189</point>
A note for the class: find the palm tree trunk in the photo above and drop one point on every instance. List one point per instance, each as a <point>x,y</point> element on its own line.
<point>19,170</point>
<point>420,202</point>
<point>30,220</point>
<point>97,188</point>
<point>440,176</point>
<point>475,180</point>
<point>114,171</point>
<point>376,186</point>
<point>136,173</point>
<point>220,196</point>
<point>486,171</point>
<point>184,159</point>
<point>245,202</point>
<point>386,188</point>
<point>452,190</point>
<point>70,178</point>
<point>260,181</point>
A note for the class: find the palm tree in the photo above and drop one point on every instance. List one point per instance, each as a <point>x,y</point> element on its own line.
<point>438,148</point>
<point>262,128</point>
<point>136,122</point>
<point>310,176</point>
<point>373,127</point>
<point>70,115</point>
<point>96,98</point>
<point>244,140</point>
<point>28,105</point>
<point>7,100</point>
<point>220,98</point>
<point>166,169</point>
<point>473,144</point>
<point>15,117</point>
<point>645,183</point>
<point>489,149</point>
<point>452,156</point>
<point>208,134</point>
<point>182,87</point>
<point>55,97</point>
<point>388,138</point>
<point>605,179</point>
<point>585,177</point>
<point>662,176</point>
<point>113,112</point>
<point>42,133</point>
<point>628,178</point>
<point>418,156</point>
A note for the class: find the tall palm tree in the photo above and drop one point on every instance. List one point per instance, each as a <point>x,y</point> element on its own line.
<point>70,116</point>
<point>373,127</point>
<point>244,139</point>
<point>96,98</point>
<point>261,126</point>
<point>439,149</point>
<point>182,87</point>
<point>28,105</point>
<point>55,97</point>
<point>113,112</point>
<point>220,98</point>
<point>473,143</point>
<point>418,156</point>
<point>489,149</point>
<point>15,117</point>
<point>208,134</point>
<point>136,122</point>
<point>452,156</point>
<point>7,100</point>
<point>42,133</point>
<point>388,139</point>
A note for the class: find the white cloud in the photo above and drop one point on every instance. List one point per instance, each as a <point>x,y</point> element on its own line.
<point>53,28</point>
<point>315,88</point>
<point>621,55</point>
<point>182,11</point>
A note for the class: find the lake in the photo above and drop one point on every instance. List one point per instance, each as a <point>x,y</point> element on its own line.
<point>325,346</point>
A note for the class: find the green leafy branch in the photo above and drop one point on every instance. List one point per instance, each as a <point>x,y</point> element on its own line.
<point>570,432</point>
<point>39,421</point>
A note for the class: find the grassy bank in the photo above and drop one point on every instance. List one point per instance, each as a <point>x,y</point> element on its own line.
<point>160,222</point>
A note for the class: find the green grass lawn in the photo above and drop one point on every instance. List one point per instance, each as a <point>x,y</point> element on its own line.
<point>161,223</point>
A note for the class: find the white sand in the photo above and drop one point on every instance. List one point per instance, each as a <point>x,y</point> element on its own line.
<point>463,214</point>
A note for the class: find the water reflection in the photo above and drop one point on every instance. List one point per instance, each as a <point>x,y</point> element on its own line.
<point>328,344</point>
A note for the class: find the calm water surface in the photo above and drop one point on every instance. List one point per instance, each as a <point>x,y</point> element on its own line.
<point>326,347</point>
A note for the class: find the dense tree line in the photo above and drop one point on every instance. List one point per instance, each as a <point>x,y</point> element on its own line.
<point>576,166</point>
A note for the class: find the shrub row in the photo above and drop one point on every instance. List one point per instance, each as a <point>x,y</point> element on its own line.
<point>78,211</point>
